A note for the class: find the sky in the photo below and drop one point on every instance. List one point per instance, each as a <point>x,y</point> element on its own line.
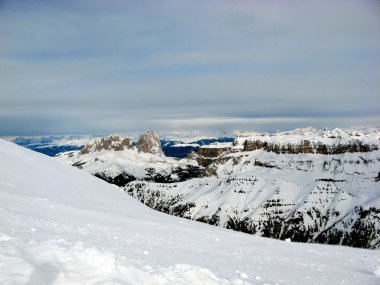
<point>86,67</point>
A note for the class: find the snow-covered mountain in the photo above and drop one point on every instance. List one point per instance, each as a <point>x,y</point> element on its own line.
<point>60,225</point>
<point>307,185</point>
<point>118,161</point>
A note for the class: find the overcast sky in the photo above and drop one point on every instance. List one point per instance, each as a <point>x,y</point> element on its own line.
<point>113,66</point>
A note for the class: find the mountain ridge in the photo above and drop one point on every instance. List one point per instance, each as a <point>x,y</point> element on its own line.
<point>280,192</point>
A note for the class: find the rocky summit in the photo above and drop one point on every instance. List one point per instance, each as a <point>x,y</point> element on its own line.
<point>150,143</point>
<point>305,185</point>
<point>113,142</point>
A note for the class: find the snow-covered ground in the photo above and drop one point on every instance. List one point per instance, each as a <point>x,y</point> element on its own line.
<point>60,225</point>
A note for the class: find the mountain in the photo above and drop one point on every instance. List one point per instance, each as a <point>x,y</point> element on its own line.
<point>307,185</point>
<point>60,225</point>
<point>52,145</point>
<point>108,158</point>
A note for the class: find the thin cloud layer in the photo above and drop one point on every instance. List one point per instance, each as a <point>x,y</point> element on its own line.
<point>110,66</point>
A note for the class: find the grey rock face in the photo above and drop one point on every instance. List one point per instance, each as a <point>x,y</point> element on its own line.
<point>150,143</point>
<point>212,152</point>
<point>113,142</point>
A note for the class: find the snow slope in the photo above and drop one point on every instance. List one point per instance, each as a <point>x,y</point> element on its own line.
<point>60,225</point>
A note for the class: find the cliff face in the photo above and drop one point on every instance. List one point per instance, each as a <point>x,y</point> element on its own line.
<point>150,143</point>
<point>213,151</point>
<point>305,146</point>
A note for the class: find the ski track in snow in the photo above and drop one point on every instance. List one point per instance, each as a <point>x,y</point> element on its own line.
<point>60,225</point>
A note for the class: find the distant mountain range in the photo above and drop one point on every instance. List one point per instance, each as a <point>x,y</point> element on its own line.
<point>306,185</point>
<point>60,225</point>
<point>52,145</point>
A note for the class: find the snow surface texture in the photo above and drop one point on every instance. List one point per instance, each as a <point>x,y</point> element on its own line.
<point>60,225</point>
<point>308,197</point>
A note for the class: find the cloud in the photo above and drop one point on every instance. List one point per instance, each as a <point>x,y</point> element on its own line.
<point>265,123</point>
<point>96,66</point>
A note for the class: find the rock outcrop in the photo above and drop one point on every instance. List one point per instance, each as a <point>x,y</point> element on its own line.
<point>112,143</point>
<point>210,151</point>
<point>150,143</point>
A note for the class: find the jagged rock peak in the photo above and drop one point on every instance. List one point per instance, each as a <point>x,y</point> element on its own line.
<point>113,142</point>
<point>150,143</point>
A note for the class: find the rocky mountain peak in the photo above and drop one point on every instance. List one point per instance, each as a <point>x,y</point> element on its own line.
<point>113,142</point>
<point>150,143</point>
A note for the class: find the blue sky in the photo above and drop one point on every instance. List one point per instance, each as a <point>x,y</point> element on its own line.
<point>115,66</point>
